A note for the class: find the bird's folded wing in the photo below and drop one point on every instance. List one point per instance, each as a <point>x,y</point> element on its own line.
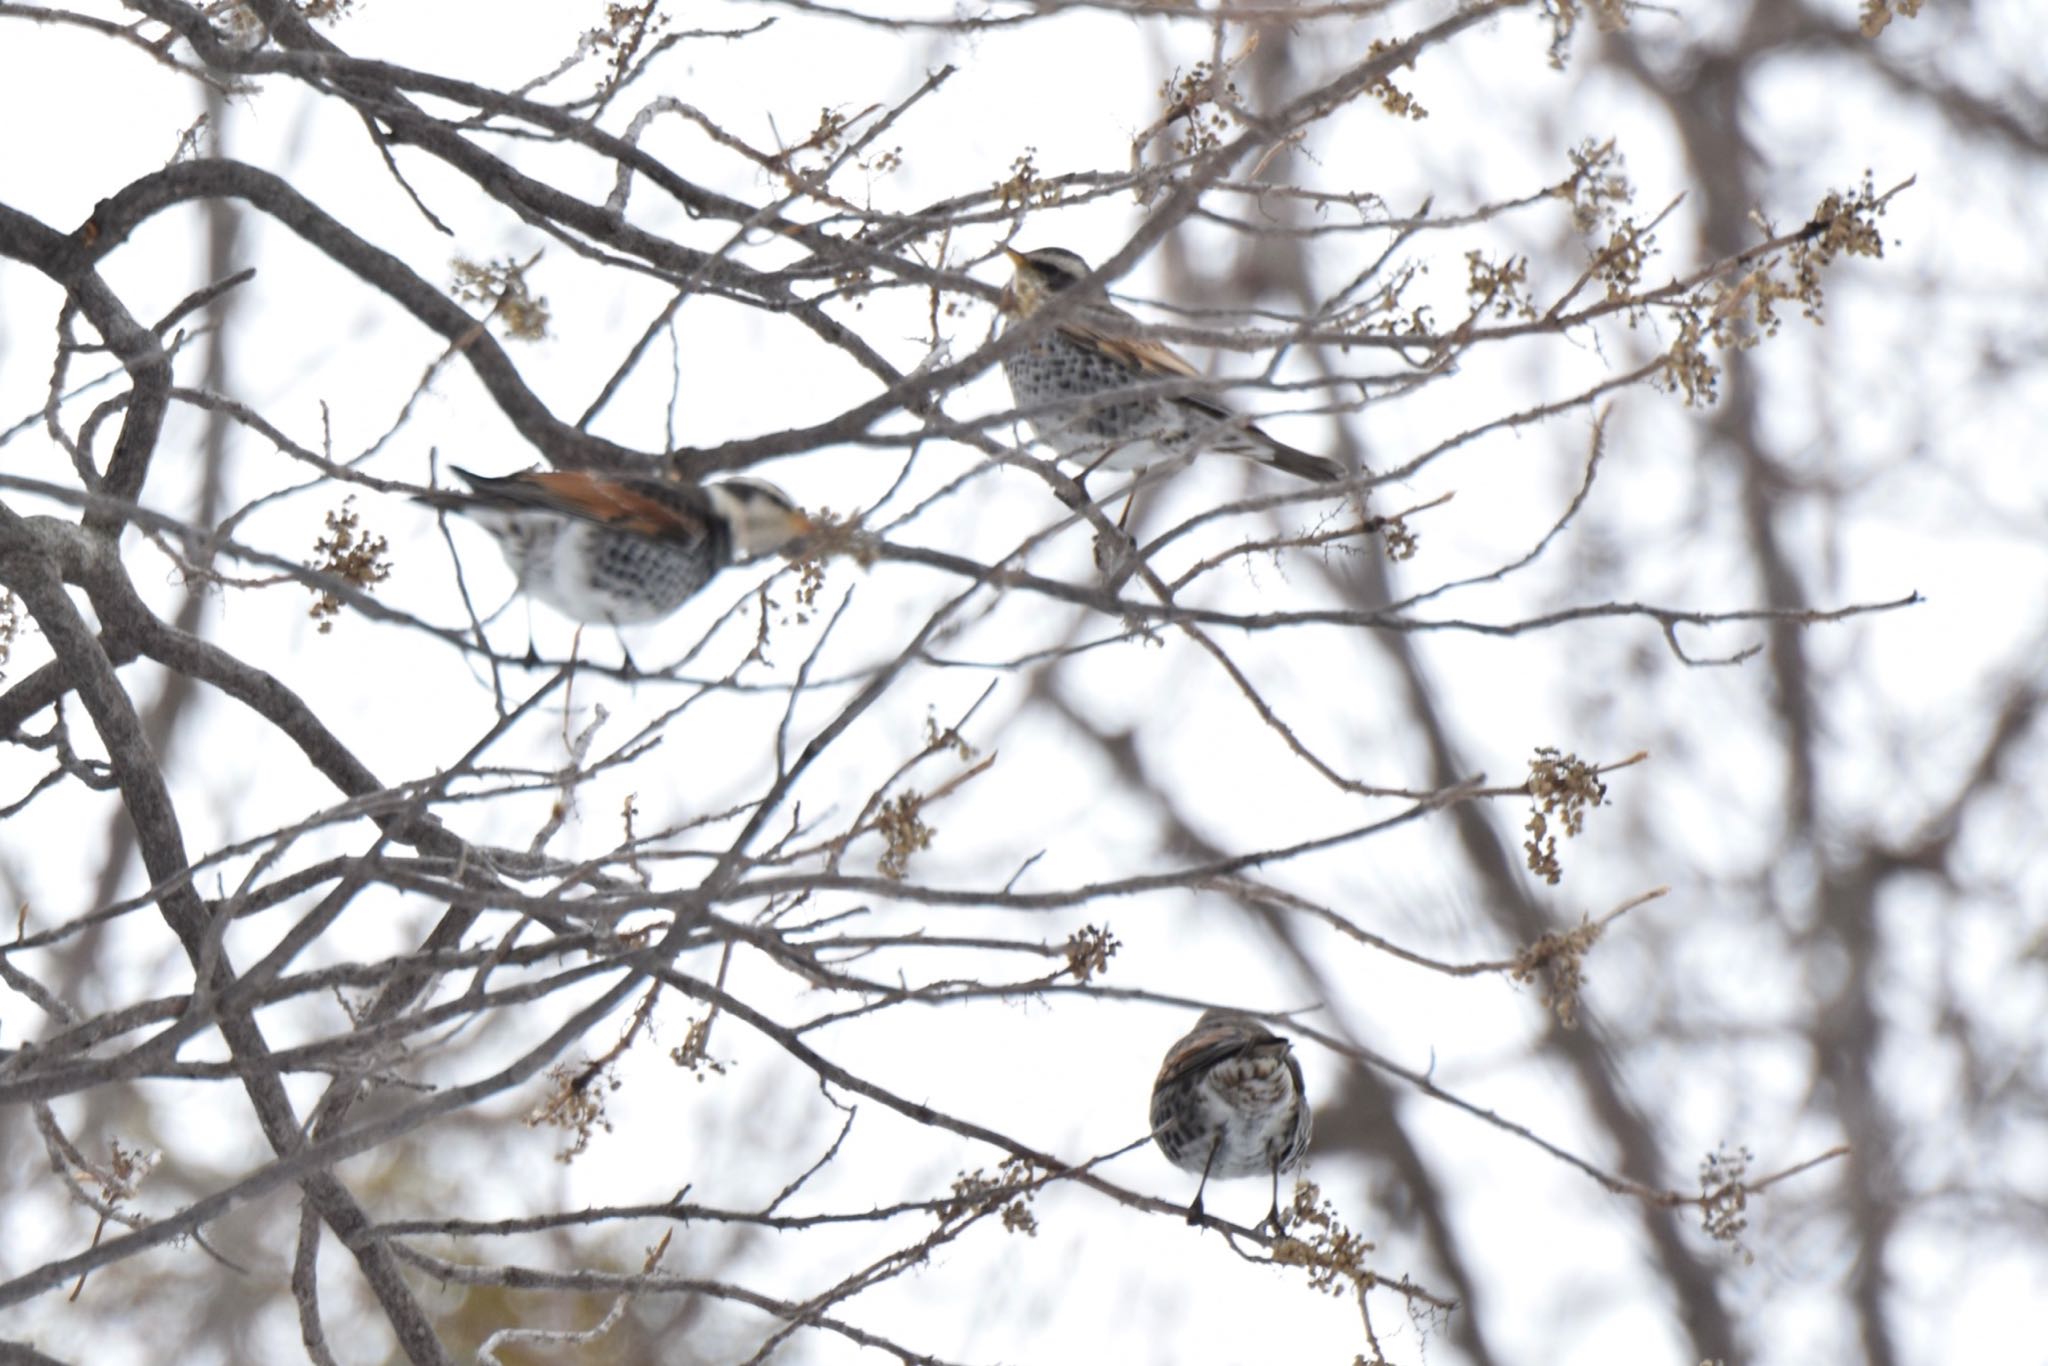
<point>646,507</point>
<point>1200,1052</point>
<point>1152,359</point>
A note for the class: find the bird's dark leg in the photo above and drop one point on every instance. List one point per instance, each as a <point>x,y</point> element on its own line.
<point>569,692</point>
<point>1273,1218</point>
<point>1081,481</point>
<point>627,668</point>
<point>532,650</point>
<point>1195,1209</point>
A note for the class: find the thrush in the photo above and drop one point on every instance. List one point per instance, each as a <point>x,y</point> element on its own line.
<point>622,548</point>
<point>1100,392</point>
<point>1229,1102</point>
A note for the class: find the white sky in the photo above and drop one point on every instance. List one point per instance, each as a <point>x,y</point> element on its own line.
<point>1562,1262</point>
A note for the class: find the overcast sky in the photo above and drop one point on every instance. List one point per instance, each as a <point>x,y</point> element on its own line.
<point>1938,491</point>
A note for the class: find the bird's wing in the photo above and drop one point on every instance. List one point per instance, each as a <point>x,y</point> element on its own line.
<point>1150,359</point>
<point>1203,1049</point>
<point>654,508</point>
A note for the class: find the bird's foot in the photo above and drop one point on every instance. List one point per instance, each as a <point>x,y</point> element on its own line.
<point>1114,555</point>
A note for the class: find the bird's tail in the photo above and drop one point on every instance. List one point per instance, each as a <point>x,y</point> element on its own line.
<point>1222,430</point>
<point>454,500</point>
<point>1300,464</point>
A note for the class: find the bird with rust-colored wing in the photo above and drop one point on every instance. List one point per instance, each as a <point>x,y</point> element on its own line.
<point>1101,393</point>
<point>622,548</point>
<point>1229,1102</point>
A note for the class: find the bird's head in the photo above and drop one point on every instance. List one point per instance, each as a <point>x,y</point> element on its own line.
<point>1038,274</point>
<point>1225,1018</point>
<point>763,518</point>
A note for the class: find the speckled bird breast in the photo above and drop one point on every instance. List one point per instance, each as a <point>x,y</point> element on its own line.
<point>1068,391</point>
<point>593,573</point>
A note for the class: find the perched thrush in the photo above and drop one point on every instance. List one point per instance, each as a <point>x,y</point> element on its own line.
<point>1101,393</point>
<point>622,548</point>
<point>1229,1103</point>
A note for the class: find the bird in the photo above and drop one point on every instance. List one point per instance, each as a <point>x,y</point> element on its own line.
<point>621,548</point>
<point>1083,383</point>
<point>1229,1102</point>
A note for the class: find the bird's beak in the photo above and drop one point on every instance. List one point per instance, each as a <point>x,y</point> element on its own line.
<point>1008,301</point>
<point>800,526</point>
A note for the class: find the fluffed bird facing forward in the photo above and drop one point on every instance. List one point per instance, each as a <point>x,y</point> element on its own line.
<point>622,548</point>
<point>1229,1102</point>
<point>1084,383</point>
